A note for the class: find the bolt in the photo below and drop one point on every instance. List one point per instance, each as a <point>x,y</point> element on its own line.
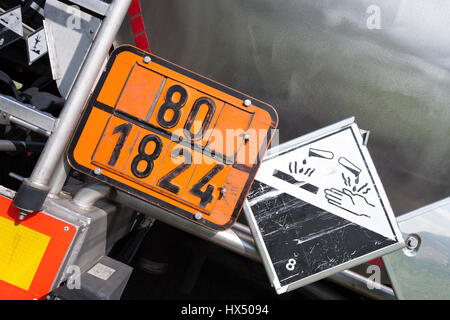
<point>66,228</point>
<point>223,191</point>
<point>247,102</point>
<point>22,214</point>
<point>147,59</point>
<point>97,171</point>
<point>412,242</point>
<point>246,137</point>
<point>198,215</point>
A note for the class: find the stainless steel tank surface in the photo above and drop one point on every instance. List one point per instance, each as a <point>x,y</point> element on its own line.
<point>385,62</point>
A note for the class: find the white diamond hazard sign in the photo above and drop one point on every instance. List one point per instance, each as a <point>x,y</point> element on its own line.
<point>318,207</point>
<point>36,45</point>
<point>10,26</point>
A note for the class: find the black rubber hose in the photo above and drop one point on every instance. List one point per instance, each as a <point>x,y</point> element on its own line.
<point>20,146</point>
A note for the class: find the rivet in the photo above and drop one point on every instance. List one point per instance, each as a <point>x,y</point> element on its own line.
<point>198,215</point>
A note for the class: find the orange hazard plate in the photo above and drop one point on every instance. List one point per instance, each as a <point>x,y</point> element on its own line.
<point>172,137</point>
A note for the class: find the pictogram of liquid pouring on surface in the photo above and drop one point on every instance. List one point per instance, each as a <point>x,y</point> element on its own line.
<point>356,172</point>
<point>313,153</point>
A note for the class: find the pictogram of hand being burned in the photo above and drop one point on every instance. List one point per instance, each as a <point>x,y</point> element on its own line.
<point>348,201</point>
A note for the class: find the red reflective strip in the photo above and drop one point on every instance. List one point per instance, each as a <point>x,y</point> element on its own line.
<point>137,25</point>
<point>377,262</point>
<point>135,8</point>
<point>141,41</point>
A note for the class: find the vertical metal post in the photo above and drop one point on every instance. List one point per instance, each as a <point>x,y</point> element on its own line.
<point>33,191</point>
<point>59,176</point>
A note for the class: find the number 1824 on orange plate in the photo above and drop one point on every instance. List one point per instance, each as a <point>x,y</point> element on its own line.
<point>173,138</point>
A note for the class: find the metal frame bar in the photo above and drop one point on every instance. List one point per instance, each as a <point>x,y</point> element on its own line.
<point>27,116</point>
<point>81,90</point>
<point>96,6</point>
<point>50,160</point>
<point>357,283</point>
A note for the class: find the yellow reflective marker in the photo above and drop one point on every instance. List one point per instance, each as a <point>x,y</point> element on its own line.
<point>21,252</point>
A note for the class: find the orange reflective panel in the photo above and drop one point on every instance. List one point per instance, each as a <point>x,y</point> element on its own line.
<point>140,91</point>
<point>116,144</point>
<point>172,138</point>
<point>31,251</point>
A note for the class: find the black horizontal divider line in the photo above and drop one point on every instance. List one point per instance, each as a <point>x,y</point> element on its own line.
<point>166,134</point>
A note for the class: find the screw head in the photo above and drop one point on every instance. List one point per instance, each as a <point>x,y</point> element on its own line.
<point>247,102</point>
<point>147,59</point>
<point>97,171</point>
<point>66,228</point>
<point>198,215</point>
